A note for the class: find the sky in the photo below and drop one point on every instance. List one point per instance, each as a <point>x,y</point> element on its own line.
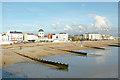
<point>55,17</point>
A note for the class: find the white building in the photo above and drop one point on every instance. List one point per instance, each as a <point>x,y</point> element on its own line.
<point>111,38</point>
<point>5,38</point>
<point>42,37</point>
<point>61,37</point>
<point>0,37</point>
<point>41,33</point>
<point>92,36</point>
<point>30,37</point>
<point>108,37</point>
<point>15,36</point>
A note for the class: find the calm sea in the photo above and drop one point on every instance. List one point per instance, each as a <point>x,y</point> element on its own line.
<point>97,64</point>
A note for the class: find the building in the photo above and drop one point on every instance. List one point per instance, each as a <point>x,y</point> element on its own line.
<point>108,37</point>
<point>0,37</point>
<point>111,38</point>
<point>14,36</point>
<point>41,33</point>
<point>5,37</point>
<point>50,36</point>
<point>42,37</point>
<point>61,37</point>
<point>30,37</point>
<point>75,37</point>
<point>92,36</point>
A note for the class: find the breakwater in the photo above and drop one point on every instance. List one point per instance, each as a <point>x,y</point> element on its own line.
<point>98,48</point>
<point>115,45</point>
<point>59,65</point>
<point>84,53</point>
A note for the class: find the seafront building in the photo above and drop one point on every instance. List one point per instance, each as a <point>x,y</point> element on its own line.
<point>42,37</point>
<point>5,37</point>
<point>30,37</point>
<point>108,37</point>
<point>75,37</point>
<point>14,36</point>
<point>50,36</point>
<point>92,36</point>
<point>0,37</point>
<point>41,33</point>
<point>96,36</point>
<point>61,37</point>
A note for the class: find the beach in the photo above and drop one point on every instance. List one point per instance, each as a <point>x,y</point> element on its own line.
<point>40,50</point>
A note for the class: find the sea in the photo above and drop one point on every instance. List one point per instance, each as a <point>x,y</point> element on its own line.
<point>98,63</point>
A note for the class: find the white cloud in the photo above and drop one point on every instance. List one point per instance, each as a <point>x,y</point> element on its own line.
<point>80,27</point>
<point>55,25</point>
<point>41,24</point>
<point>67,27</point>
<point>101,23</point>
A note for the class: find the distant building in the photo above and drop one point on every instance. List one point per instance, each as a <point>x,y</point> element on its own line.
<point>108,37</point>
<point>92,36</point>
<point>42,37</point>
<point>76,37</point>
<point>30,37</point>
<point>61,37</point>
<point>0,37</point>
<point>50,36</point>
<point>15,36</point>
<point>111,37</point>
<point>5,37</point>
<point>41,33</point>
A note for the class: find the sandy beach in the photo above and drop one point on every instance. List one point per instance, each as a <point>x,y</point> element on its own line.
<point>40,50</point>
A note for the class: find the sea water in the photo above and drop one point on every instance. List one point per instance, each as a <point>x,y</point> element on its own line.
<point>98,63</point>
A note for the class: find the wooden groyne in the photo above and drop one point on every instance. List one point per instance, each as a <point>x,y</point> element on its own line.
<point>59,65</point>
<point>96,47</point>
<point>115,45</point>
<point>82,53</point>
<point>99,48</point>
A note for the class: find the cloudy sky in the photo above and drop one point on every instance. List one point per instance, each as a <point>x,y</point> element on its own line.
<point>54,17</point>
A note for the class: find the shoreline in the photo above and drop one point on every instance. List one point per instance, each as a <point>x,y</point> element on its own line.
<point>41,50</point>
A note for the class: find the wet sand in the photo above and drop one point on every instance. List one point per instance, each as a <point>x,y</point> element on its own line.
<point>40,50</point>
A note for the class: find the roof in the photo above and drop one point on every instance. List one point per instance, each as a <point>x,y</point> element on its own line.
<point>41,30</point>
<point>30,34</point>
<point>13,40</point>
<point>62,33</point>
<point>15,32</point>
<point>91,33</point>
<point>79,35</point>
<point>45,36</point>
